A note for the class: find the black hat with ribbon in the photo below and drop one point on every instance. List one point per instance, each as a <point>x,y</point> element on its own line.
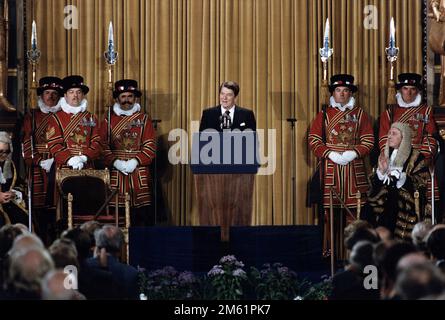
<point>342,80</point>
<point>75,81</point>
<point>409,80</point>
<point>50,83</point>
<point>126,85</point>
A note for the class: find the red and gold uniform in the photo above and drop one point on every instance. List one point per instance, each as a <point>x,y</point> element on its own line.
<point>70,135</point>
<point>421,122</point>
<point>345,130</point>
<point>36,153</point>
<point>132,137</point>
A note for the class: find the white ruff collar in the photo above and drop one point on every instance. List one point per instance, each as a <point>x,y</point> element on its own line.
<point>349,105</point>
<point>45,109</point>
<point>403,104</point>
<point>74,110</point>
<point>120,112</point>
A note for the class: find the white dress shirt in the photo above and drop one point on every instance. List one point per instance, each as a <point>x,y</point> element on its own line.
<point>231,110</point>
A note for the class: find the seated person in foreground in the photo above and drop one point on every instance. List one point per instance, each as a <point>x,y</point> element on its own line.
<point>401,172</point>
<point>12,204</point>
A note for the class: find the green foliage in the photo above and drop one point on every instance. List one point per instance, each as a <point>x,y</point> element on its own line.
<point>227,278</point>
<point>228,281</point>
<point>318,291</point>
<point>274,282</point>
<point>169,284</point>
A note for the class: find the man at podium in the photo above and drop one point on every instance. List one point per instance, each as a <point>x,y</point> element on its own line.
<point>216,180</point>
<point>228,115</point>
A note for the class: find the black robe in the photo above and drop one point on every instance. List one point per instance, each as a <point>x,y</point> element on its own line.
<point>10,211</point>
<point>395,208</point>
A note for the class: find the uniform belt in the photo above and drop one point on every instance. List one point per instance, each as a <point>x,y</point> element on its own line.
<point>340,146</point>
<point>42,148</point>
<point>76,151</point>
<point>125,154</point>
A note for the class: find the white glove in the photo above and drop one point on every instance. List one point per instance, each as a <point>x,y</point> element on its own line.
<point>73,161</point>
<point>83,159</point>
<point>76,162</point>
<point>131,165</point>
<point>349,155</point>
<point>337,158</point>
<point>121,166</point>
<point>78,166</point>
<point>47,164</point>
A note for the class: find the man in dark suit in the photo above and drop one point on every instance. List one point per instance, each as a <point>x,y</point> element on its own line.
<point>109,242</point>
<point>228,115</point>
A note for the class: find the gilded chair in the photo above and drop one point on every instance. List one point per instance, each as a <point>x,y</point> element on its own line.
<point>85,195</point>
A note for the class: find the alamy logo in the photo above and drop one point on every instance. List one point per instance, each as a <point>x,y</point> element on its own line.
<point>231,147</point>
<point>70,281</point>
<point>371,19</point>
<point>71,20</point>
<point>371,281</point>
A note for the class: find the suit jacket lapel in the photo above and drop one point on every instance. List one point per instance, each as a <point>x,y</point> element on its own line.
<point>236,117</point>
<point>217,115</point>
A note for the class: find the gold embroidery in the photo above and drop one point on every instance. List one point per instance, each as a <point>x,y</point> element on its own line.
<point>79,136</point>
<point>128,140</point>
<point>50,133</point>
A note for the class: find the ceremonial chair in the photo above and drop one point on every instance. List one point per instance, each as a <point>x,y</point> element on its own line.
<point>85,195</point>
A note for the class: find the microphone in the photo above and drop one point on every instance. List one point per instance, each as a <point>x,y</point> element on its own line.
<point>225,120</point>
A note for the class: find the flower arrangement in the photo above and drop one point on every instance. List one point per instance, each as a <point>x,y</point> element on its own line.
<point>274,282</point>
<point>227,279</point>
<point>168,284</point>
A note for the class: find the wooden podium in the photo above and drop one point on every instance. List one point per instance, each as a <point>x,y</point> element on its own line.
<point>224,200</point>
<point>224,178</point>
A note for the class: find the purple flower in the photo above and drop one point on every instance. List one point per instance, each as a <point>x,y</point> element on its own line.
<point>239,273</point>
<point>140,269</point>
<point>216,270</point>
<point>282,270</point>
<point>186,277</point>
<point>239,264</point>
<point>228,259</point>
<point>169,271</point>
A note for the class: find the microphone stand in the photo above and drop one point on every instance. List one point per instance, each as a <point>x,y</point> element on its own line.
<point>292,122</point>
